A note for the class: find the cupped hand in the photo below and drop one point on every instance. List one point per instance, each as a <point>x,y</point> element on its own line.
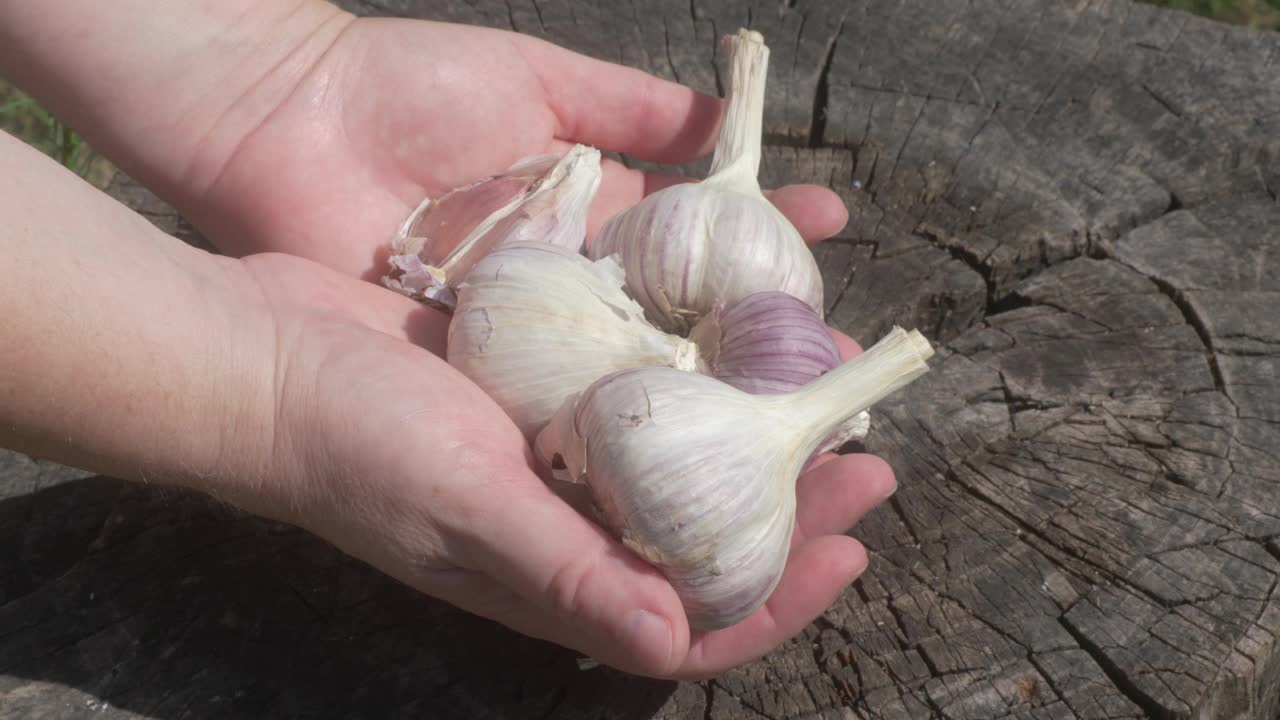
<point>420,473</point>
<point>397,459</point>
<point>396,110</point>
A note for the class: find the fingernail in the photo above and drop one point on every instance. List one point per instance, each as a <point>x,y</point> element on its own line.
<point>651,636</point>
<point>887,492</point>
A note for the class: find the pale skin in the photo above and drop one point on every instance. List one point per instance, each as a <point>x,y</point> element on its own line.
<point>279,379</point>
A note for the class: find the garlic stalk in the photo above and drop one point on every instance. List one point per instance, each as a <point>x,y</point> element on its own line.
<point>691,246</point>
<point>699,478</point>
<point>536,323</point>
<point>770,343</point>
<point>543,198</point>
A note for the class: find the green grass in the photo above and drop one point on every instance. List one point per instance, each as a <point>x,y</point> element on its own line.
<point>26,119</point>
<point>23,117</point>
<point>1262,14</point>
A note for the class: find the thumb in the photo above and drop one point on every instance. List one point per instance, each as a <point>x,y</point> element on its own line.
<point>597,596</point>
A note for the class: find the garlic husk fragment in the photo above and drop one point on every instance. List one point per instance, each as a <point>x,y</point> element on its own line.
<point>770,343</point>
<point>698,478</point>
<point>543,198</point>
<point>536,323</point>
<point>691,246</point>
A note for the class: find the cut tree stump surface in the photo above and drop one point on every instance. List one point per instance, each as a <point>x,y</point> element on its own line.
<point>1076,200</point>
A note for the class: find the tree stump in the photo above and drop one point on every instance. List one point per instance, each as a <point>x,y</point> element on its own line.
<point>1076,201</point>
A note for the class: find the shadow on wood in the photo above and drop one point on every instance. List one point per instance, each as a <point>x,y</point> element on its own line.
<point>165,605</point>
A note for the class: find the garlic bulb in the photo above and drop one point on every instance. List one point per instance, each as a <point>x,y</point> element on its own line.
<point>543,198</point>
<point>691,246</point>
<point>699,478</point>
<point>770,343</point>
<point>536,323</point>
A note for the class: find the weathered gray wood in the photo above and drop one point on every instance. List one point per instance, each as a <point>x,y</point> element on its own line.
<point>1077,200</point>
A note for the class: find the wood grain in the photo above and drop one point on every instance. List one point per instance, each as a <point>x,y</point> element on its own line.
<point>1077,200</point>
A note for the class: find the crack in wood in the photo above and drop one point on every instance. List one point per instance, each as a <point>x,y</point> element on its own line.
<point>1197,323</point>
<point>666,43</point>
<point>511,16</point>
<point>1163,102</point>
<point>818,113</point>
<point>943,240</point>
<point>537,9</point>
<point>1118,678</point>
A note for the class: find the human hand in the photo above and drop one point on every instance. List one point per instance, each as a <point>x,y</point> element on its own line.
<point>395,110</point>
<point>457,511</point>
<point>295,127</point>
<point>323,157</point>
<point>399,460</point>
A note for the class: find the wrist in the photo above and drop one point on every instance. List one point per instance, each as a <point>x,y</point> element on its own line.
<point>252,454</point>
<point>124,351</point>
<point>225,431</point>
<point>177,393</point>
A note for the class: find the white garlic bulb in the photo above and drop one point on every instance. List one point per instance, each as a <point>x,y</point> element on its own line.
<point>536,323</point>
<point>691,246</point>
<point>698,478</point>
<point>543,198</point>
<point>770,343</point>
<point>531,320</point>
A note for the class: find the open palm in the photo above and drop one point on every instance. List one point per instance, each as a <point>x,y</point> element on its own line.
<point>423,476</point>
<point>397,110</point>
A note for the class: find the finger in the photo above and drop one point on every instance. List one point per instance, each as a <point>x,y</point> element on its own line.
<point>848,347</point>
<point>487,598</point>
<point>818,461</point>
<point>620,188</point>
<point>816,211</point>
<point>833,497</point>
<point>481,595</point>
<point>620,108</point>
<point>474,592</point>
<point>622,611</point>
<point>817,572</point>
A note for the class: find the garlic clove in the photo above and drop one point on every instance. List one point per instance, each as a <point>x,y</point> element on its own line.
<point>698,478</point>
<point>692,246</point>
<point>765,344</point>
<point>536,323</point>
<point>770,343</point>
<point>542,198</point>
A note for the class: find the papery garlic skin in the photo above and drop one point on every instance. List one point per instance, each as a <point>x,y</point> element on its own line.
<point>770,343</point>
<point>543,198</point>
<point>698,478</point>
<point>536,323</point>
<point>691,246</point>
<point>713,520</point>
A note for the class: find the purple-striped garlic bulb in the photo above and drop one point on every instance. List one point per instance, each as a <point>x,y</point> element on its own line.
<point>690,247</point>
<point>770,343</point>
<point>698,478</point>
<point>544,198</point>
